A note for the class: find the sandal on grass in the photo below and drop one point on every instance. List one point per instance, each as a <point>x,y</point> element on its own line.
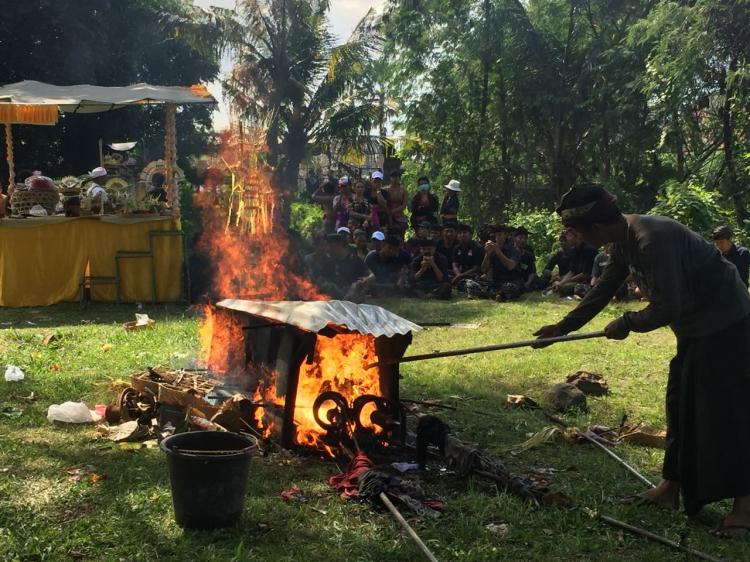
<point>641,500</point>
<point>731,531</point>
<point>635,499</point>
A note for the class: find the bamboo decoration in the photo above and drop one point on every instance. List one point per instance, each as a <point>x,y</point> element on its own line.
<point>170,157</point>
<point>9,158</point>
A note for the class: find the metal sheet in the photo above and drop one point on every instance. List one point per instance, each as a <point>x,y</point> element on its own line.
<point>313,316</point>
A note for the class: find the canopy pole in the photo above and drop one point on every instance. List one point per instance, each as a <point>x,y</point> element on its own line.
<point>9,158</point>
<point>170,157</point>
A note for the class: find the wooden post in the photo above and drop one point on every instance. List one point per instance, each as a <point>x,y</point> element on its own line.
<point>170,158</point>
<point>9,158</point>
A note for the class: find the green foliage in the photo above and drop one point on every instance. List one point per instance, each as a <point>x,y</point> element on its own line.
<point>520,100</point>
<point>306,218</point>
<point>692,205</point>
<point>106,43</point>
<point>288,75</point>
<point>543,226</point>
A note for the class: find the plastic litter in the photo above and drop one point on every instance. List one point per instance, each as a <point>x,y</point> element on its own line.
<point>13,374</point>
<point>405,466</point>
<point>142,320</point>
<point>71,412</point>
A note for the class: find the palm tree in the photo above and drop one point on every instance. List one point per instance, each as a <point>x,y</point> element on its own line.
<point>289,75</point>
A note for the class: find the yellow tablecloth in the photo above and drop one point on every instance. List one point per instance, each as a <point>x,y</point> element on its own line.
<point>43,260</point>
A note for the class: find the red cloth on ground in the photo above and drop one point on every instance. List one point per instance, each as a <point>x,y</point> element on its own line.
<point>348,482</point>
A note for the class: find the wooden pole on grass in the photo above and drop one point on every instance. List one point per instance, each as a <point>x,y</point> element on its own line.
<point>405,524</point>
<point>658,538</point>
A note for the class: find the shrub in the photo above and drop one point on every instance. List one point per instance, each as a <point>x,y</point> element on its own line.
<point>306,218</point>
<point>692,205</point>
<point>543,225</point>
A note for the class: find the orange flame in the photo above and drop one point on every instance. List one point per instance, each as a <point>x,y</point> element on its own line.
<point>250,252</point>
<point>252,258</point>
<point>338,365</point>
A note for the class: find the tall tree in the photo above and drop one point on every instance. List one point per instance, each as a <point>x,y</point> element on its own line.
<point>72,42</point>
<point>696,82</point>
<point>289,76</point>
<point>519,95</point>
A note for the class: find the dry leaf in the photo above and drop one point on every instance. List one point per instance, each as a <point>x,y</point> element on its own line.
<point>106,347</point>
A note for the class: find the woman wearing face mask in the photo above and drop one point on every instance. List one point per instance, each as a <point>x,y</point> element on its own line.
<point>424,204</point>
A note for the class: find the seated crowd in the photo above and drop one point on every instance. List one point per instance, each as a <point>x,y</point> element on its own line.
<point>362,250</point>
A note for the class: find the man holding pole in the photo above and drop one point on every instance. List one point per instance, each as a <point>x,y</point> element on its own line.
<point>700,296</point>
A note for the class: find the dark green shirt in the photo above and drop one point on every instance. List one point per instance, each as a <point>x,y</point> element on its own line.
<point>690,287</point>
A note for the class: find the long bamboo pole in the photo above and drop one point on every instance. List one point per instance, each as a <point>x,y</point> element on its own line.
<point>486,348</point>
<point>408,528</point>
<point>658,538</point>
<point>629,468</point>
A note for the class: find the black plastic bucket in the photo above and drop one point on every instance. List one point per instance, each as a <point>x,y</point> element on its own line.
<point>208,473</point>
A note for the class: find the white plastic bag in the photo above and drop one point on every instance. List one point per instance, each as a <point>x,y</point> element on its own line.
<point>142,320</point>
<point>13,374</point>
<point>70,412</point>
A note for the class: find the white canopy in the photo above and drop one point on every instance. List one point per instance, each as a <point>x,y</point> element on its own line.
<point>313,316</point>
<point>84,98</point>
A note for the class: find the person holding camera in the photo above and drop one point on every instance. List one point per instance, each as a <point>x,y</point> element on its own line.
<point>430,273</point>
<point>500,266</point>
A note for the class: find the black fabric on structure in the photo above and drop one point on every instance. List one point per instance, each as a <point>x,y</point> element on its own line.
<point>708,417</point>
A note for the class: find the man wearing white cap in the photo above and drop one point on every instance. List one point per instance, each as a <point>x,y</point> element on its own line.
<point>96,191</point>
<point>376,240</point>
<point>344,232</point>
<point>449,208</point>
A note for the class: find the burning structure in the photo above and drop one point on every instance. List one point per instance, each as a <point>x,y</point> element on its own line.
<point>301,357</point>
<point>304,363</point>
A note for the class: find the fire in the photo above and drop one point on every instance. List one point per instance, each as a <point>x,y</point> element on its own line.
<point>251,257</point>
<point>221,342</point>
<point>249,250</point>
<point>338,365</point>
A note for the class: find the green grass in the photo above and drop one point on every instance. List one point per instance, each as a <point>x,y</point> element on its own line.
<point>45,516</point>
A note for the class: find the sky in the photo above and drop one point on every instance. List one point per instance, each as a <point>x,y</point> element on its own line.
<point>343,16</point>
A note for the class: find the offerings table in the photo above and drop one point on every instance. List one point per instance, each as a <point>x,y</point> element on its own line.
<point>42,260</point>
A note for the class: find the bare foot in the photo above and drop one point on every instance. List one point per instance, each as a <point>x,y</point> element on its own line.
<point>666,495</point>
<point>737,522</point>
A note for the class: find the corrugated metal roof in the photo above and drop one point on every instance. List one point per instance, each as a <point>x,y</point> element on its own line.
<point>313,316</point>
